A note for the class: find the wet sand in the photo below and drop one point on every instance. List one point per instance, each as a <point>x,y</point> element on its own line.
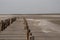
<point>43,27</point>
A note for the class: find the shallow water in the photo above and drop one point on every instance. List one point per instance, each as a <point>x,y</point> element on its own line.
<point>45,25</point>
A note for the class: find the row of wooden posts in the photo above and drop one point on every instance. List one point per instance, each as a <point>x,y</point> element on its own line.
<point>29,33</point>
<point>5,23</point>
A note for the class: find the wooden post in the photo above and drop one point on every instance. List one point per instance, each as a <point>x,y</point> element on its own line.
<point>26,24</point>
<point>27,28</point>
<point>27,34</point>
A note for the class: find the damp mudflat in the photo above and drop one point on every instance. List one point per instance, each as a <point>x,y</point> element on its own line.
<point>43,27</point>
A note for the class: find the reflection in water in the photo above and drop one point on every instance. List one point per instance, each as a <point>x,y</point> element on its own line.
<point>45,25</point>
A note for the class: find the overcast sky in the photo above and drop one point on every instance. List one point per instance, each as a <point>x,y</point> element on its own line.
<point>29,6</point>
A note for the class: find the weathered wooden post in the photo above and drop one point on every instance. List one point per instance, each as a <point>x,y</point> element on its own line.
<point>28,33</point>
<point>0,26</point>
<point>27,28</point>
<point>31,36</point>
<point>26,24</point>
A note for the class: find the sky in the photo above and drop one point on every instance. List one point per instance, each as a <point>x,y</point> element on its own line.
<point>29,6</point>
